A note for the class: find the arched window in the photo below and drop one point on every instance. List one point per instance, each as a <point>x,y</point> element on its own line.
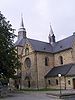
<point>61,59</point>
<point>46,61</point>
<point>28,62</point>
<point>27,51</point>
<point>49,82</point>
<point>56,82</point>
<point>69,82</point>
<point>27,79</point>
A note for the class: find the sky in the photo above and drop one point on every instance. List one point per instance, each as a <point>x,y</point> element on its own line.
<point>39,14</point>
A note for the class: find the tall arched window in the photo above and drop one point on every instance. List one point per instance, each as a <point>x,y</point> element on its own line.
<point>46,61</point>
<point>61,59</point>
<point>56,82</point>
<point>28,62</point>
<point>27,51</point>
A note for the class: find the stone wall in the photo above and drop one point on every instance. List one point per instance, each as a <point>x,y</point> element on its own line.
<point>53,84</point>
<point>73,52</point>
<point>42,69</point>
<point>30,72</point>
<point>67,57</point>
<point>66,82</point>
<point>38,69</point>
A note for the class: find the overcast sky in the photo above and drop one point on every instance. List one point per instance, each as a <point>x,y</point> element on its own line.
<point>38,14</point>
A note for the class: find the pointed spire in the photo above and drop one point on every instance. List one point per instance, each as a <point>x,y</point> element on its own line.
<point>51,31</point>
<point>51,36</point>
<point>22,30</point>
<point>22,24</point>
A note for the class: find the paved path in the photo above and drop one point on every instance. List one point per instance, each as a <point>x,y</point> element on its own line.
<point>30,96</point>
<point>39,96</point>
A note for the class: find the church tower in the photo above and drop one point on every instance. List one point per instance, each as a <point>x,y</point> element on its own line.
<point>22,30</point>
<point>51,36</point>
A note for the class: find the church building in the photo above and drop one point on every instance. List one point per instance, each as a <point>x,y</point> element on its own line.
<point>46,64</point>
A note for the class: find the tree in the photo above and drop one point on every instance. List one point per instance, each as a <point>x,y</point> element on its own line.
<point>8,53</point>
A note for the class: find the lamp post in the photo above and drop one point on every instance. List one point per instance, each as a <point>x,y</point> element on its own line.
<point>59,75</point>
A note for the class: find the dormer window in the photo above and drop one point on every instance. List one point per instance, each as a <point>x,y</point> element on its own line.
<point>60,46</point>
<point>61,59</point>
<point>27,51</point>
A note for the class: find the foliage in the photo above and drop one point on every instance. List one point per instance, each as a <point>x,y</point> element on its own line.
<point>8,54</point>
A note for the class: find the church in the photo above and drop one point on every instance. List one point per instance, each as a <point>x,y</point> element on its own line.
<point>46,64</point>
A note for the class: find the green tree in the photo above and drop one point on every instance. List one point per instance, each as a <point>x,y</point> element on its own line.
<point>8,54</point>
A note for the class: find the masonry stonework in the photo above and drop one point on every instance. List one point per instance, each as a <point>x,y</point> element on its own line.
<point>67,57</point>
<point>39,72</point>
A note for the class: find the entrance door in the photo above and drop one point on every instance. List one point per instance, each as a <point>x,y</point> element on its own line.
<point>28,83</point>
<point>74,83</point>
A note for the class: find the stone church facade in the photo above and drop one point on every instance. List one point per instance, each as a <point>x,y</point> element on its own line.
<point>41,62</point>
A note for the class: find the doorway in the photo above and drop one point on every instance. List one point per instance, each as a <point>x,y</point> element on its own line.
<point>28,83</point>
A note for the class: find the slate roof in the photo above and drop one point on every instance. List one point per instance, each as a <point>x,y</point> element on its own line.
<point>64,70</point>
<point>40,46</point>
<point>47,47</point>
<point>71,71</point>
<point>20,42</point>
<point>64,44</point>
<point>36,45</point>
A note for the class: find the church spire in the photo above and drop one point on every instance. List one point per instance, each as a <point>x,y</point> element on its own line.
<point>22,23</point>
<point>51,31</point>
<point>51,36</point>
<point>22,30</point>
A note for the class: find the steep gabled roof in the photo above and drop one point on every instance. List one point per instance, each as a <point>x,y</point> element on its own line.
<point>20,42</point>
<point>64,44</point>
<point>36,45</point>
<point>64,70</point>
<point>40,46</point>
<point>47,47</point>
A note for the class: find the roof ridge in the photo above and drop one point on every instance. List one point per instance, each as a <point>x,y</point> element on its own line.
<point>38,40</point>
<point>65,38</point>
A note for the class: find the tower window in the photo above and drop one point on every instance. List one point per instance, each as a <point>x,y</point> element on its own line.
<point>46,61</point>
<point>27,51</point>
<point>61,59</point>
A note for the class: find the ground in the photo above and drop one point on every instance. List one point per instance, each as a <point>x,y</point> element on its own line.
<point>29,96</point>
<point>38,95</point>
